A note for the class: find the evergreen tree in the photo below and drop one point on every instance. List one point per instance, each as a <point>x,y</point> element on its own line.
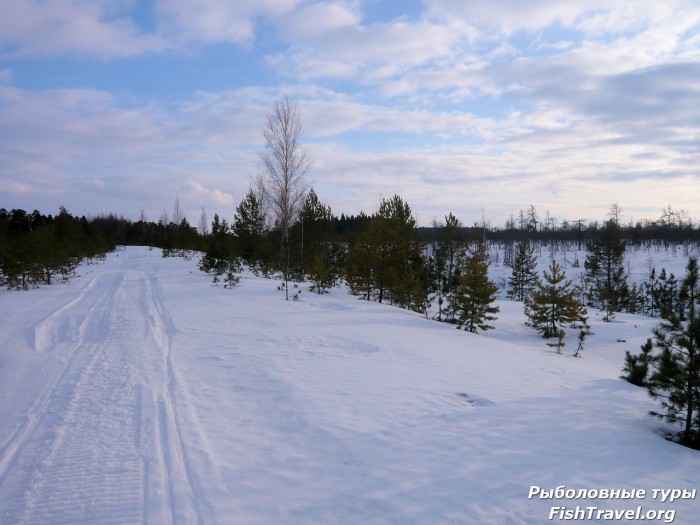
<point>554,303</point>
<point>360,268</point>
<point>412,291</point>
<point>635,299</point>
<point>249,228</point>
<point>524,275</point>
<point>317,250</point>
<point>675,380</point>
<point>383,252</point>
<point>636,369</point>
<point>666,293</point>
<point>443,261</point>
<point>320,274</point>
<point>218,251</point>
<point>475,294</point>
<point>650,289</point>
<point>605,272</point>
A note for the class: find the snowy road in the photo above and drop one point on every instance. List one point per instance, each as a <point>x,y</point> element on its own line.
<point>141,393</point>
<point>103,443</point>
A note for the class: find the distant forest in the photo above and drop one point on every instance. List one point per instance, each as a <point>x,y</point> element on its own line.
<point>38,249</point>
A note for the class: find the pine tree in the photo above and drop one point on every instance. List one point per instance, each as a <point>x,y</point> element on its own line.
<point>524,276</point>
<point>475,294</point>
<point>554,303</point>
<point>320,274</point>
<point>635,299</point>
<point>218,250</point>
<point>360,267</point>
<point>249,227</point>
<point>317,250</point>
<point>383,252</point>
<point>666,293</point>
<point>636,369</point>
<point>675,380</point>
<point>443,261</point>
<point>650,287</point>
<point>605,272</point>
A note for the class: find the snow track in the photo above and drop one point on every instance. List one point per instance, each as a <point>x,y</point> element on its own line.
<point>103,444</point>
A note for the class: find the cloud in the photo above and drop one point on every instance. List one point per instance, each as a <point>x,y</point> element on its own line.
<point>199,193</point>
<point>370,52</point>
<point>311,22</point>
<point>212,21</point>
<point>594,17</point>
<point>93,152</point>
<point>33,28</point>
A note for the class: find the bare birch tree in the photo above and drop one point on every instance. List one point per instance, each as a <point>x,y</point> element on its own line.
<point>285,164</point>
<point>203,223</point>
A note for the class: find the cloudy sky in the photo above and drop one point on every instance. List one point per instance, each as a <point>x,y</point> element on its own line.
<point>456,105</point>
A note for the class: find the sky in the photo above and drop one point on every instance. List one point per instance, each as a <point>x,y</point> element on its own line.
<point>470,107</point>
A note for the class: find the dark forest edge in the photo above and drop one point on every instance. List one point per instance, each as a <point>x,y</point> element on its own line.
<point>37,249</point>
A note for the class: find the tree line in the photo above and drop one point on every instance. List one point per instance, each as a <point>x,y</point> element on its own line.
<point>38,249</point>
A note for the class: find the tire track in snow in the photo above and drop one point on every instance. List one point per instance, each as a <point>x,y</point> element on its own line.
<point>104,443</point>
<point>13,447</point>
<point>182,494</point>
<point>82,463</point>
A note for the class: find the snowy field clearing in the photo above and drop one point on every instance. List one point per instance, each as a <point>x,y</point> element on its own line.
<point>140,393</point>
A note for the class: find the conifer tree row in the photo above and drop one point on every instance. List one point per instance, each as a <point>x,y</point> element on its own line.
<point>384,258</point>
<point>36,249</point>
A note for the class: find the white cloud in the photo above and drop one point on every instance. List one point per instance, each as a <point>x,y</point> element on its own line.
<point>210,21</point>
<point>31,28</point>
<point>199,193</point>
<point>597,17</point>
<point>375,52</point>
<point>616,111</point>
<point>314,21</point>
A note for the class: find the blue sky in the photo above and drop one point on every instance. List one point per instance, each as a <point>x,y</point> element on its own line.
<point>458,106</point>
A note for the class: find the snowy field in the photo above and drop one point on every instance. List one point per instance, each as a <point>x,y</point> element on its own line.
<point>140,393</point>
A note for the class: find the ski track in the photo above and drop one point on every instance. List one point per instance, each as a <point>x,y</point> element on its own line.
<point>104,442</point>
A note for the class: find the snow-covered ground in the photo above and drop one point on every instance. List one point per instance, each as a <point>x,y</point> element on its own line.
<point>140,393</point>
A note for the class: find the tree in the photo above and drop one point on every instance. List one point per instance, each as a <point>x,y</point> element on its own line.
<point>203,223</point>
<point>636,369</point>
<point>385,262</point>
<point>285,165</point>
<point>475,294</point>
<point>218,250</point>
<point>443,261</point>
<point>554,303</point>
<point>314,228</point>
<point>675,379</point>
<point>249,227</point>
<point>666,293</point>
<point>361,264</point>
<point>524,275</point>
<point>605,272</point>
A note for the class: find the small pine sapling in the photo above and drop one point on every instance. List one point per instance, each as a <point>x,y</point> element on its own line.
<point>636,369</point>
<point>581,339</point>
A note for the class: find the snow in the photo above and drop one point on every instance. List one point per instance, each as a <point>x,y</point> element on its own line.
<point>140,393</point>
